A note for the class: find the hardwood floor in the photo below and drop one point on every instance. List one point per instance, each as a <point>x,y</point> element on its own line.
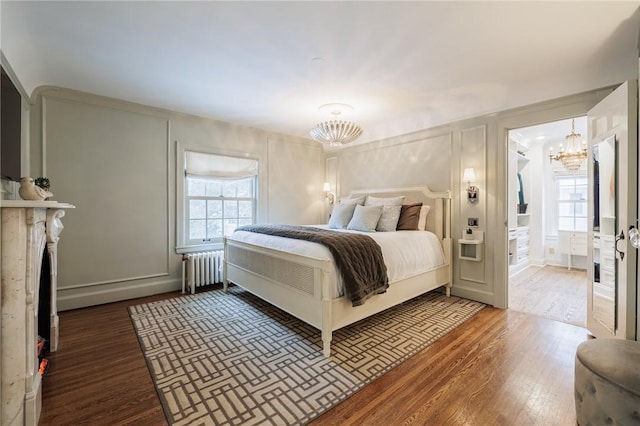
<point>500,367</point>
<point>553,292</point>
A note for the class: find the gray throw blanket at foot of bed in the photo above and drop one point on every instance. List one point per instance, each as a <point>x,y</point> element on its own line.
<point>358,257</point>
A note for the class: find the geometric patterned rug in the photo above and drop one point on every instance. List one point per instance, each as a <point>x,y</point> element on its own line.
<point>233,359</point>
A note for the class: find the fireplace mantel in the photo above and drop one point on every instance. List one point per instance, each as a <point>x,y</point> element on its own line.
<point>27,226</point>
<point>35,204</point>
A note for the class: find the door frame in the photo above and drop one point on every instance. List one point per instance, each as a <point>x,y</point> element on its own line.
<point>561,109</point>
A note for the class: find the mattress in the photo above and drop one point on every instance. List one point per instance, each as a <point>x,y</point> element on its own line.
<point>405,253</point>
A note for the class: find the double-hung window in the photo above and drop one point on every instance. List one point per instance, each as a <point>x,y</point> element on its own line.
<point>572,202</point>
<point>219,196</point>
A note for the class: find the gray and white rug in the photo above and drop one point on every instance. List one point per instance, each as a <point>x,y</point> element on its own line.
<point>233,359</point>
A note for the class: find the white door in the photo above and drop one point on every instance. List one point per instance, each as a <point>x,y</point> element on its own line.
<point>612,128</point>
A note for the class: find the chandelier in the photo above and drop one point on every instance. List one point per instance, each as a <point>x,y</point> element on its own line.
<point>335,132</point>
<point>574,155</point>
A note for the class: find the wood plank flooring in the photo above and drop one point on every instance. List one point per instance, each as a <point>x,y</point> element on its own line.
<point>552,292</point>
<point>501,367</point>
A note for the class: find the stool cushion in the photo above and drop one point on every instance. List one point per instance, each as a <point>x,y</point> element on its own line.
<point>607,382</point>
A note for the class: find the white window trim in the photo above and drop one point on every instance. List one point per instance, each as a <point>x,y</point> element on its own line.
<point>182,246</point>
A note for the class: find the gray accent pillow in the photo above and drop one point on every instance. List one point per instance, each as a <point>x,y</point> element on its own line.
<point>391,208</point>
<point>365,218</point>
<point>341,215</point>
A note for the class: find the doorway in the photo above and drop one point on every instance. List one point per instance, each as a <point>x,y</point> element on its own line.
<point>547,220</point>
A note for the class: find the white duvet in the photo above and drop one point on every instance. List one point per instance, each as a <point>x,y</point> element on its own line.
<point>405,253</point>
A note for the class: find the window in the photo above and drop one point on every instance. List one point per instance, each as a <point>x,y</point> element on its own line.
<point>216,195</point>
<point>216,207</point>
<point>572,202</point>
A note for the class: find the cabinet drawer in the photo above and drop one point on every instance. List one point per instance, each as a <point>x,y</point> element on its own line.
<point>579,249</point>
<point>578,237</point>
<point>608,258</point>
<point>607,278</point>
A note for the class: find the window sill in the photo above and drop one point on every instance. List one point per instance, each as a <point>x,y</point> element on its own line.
<point>202,247</point>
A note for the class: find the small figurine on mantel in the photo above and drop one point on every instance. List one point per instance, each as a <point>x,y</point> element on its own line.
<point>30,191</point>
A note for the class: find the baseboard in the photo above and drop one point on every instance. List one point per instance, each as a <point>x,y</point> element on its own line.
<point>99,295</point>
<point>541,262</point>
<point>473,294</point>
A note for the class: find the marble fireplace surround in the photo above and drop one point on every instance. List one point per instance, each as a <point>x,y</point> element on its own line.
<point>27,226</point>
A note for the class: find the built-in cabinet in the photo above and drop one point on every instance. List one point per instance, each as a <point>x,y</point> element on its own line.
<point>572,243</point>
<point>519,211</point>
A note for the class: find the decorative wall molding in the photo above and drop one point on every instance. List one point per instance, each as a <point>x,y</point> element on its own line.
<point>473,153</point>
<point>77,99</point>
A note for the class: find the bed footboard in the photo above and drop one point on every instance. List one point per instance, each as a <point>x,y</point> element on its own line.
<point>299,285</point>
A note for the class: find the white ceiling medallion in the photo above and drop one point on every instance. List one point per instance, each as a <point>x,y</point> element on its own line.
<point>335,132</point>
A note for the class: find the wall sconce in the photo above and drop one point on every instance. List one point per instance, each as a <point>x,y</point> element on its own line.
<point>327,193</point>
<point>469,175</point>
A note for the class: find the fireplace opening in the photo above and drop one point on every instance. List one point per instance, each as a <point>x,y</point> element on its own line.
<point>44,312</point>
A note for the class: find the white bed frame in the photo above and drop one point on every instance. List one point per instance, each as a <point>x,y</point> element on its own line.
<point>303,286</point>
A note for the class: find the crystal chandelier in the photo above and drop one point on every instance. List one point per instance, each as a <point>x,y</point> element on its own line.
<point>574,155</point>
<point>335,132</point>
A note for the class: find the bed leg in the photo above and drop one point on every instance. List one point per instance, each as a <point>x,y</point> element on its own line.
<point>327,322</point>
<point>447,290</point>
<point>326,344</point>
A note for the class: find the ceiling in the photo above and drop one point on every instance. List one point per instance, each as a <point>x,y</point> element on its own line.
<point>403,66</point>
<point>550,134</point>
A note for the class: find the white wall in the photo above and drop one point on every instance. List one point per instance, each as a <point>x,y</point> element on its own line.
<point>116,162</point>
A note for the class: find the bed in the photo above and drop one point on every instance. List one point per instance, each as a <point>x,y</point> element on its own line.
<point>305,285</point>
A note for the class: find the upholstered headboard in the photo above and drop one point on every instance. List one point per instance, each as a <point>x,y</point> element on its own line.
<point>439,217</point>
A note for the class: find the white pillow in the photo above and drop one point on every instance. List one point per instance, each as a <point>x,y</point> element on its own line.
<point>422,221</point>
<point>365,218</point>
<point>390,211</point>
<point>341,215</point>
<point>355,200</point>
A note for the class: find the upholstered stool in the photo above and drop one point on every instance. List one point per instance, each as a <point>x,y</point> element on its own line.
<point>607,382</point>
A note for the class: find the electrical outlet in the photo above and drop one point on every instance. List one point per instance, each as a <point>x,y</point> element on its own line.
<point>472,221</point>
<point>552,250</point>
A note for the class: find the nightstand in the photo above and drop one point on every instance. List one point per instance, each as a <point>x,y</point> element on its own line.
<point>471,249</point>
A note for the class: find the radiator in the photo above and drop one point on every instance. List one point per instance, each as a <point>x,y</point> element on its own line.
<point>200,269</point>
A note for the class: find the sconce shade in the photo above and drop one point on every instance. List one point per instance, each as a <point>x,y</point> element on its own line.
<point>469,175</point>
<point>326,187</point>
